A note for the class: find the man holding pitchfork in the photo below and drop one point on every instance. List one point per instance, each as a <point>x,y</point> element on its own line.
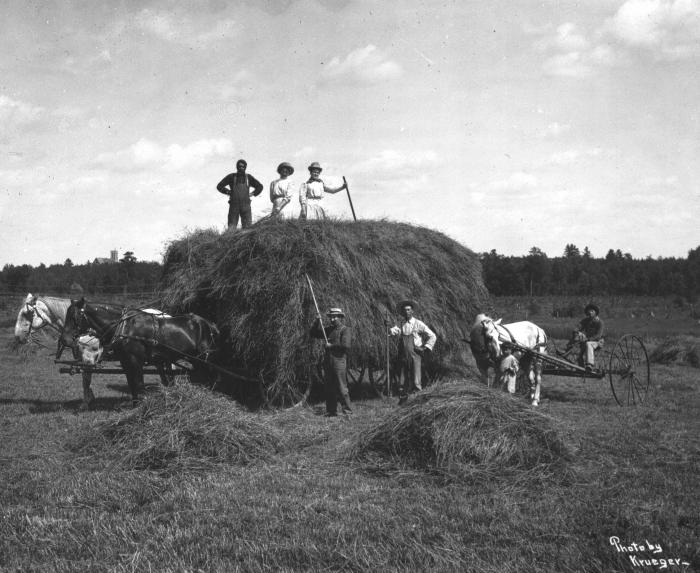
<point>338,339</point>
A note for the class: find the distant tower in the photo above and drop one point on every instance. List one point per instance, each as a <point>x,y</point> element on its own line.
<point>114,256</point>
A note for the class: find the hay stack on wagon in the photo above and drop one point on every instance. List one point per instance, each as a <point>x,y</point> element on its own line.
<point>252,285</point>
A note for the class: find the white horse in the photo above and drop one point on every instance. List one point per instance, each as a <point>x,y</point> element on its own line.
<point>38,313</point>
<point>485,341</point>
<point>48,312</point>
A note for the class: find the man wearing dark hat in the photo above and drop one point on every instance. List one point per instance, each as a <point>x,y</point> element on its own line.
<point>237,186</point>
<point>312,191</point>
<point>338,338</point>
<point>281,189</point>
<point>416,340</point>
<point>589,335</point>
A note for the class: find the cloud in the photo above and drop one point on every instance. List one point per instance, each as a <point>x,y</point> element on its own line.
<point>177,27</point>
<point>364,65</point>
<point>669,28</point>
<point>518,181</point>
<point>15,114</point>
<point>148,154</point>
<point>390,164</point>
<point>555,129</point>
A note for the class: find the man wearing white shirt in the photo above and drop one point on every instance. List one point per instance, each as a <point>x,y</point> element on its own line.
<point>416,339</point>
<point>312,191</point>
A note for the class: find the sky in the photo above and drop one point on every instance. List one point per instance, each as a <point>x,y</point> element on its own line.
<point>503,124</point>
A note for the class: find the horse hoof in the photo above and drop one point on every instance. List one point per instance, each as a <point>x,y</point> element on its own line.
<point>535,402</point>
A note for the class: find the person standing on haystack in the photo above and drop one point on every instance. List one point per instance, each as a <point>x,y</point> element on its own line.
<point>338,339</point>
<point>281,189</point>
<point>237,186</point>
<point>416,340</point>
<point>312,192</point>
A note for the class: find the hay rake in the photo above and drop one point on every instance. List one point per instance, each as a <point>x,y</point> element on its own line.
<point>626,366</point>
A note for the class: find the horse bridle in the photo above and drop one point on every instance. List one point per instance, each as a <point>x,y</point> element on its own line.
<point>32,311</point>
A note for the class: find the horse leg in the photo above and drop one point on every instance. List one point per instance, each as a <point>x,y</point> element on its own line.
<point>88,396</point>
<point>165,370</point>
<point>535,382</point>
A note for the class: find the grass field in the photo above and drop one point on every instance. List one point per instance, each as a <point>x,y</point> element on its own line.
<point>632,475</point>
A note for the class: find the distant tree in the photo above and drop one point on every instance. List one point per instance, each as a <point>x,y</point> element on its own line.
<point>571,251</point>
<point>128,258</point>
<point>586,253</point>
<point>68,263</point>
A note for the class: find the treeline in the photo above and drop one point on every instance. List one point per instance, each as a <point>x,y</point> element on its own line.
<point>574,273</point>
<point>127,276</point>
<point>578,273</point>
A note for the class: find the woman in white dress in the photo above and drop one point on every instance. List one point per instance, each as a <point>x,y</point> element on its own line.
<point>281,189</point>
<point>312,191</point>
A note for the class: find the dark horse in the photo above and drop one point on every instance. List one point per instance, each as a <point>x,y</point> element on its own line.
<point>137,337</point>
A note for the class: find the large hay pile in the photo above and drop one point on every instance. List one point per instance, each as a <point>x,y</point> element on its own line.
<point>677,350</point>
<point>252,285</point>
<point>179,428</point>
<point>463,430</point>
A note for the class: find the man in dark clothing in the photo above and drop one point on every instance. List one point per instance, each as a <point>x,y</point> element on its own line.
<point>338,339</point>
<point>237,187</point>
<point>589,335</point>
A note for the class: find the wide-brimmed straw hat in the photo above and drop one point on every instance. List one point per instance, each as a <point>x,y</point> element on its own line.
<point>287,165</point>
<point>406,302</point>
<point>593,307</point>
<point>335,312</point>
<point>315,165</point>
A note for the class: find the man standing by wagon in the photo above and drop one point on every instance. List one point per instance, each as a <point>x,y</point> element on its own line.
<point>237,186</point>
<point>338,339</point>
<point>312,191</point>
<point>416,340</point>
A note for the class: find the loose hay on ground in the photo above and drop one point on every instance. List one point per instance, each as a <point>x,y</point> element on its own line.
<point>677,350</point>
<point>252,284</point>
<point>462,429</point>
<point>176,428</point>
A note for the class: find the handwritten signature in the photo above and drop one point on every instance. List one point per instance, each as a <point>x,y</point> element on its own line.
<point>633,549</point>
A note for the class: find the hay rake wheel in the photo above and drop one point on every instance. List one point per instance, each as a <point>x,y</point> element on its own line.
<point>628,371</point>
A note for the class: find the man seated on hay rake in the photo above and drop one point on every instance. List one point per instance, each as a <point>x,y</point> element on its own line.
<point>588,336</point>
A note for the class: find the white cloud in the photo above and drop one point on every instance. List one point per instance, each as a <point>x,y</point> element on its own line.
<point>145,153</point>
<point>23,178</point>
<point>14,113</point>
<point>556,129</point>
<point>670,28</point>
<point>517,181</point>
<point>178,27</point>
<point>367,65</point>
<point>390,164</point>
<point>305,152</point>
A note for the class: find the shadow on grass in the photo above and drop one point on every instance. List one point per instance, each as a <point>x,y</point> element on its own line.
<point>44,406</point>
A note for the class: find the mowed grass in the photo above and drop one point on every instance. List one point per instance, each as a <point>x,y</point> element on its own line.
<point>305,506</point>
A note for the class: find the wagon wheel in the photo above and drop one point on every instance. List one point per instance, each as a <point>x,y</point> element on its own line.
<point>629,371</point>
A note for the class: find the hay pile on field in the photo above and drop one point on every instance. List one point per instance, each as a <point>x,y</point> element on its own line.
<point>463,430</point>
<point>677,350</point>
<point>252,285</point>
<point>179,428</point>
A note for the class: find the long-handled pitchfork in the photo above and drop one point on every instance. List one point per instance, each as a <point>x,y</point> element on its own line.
<point>349,198</point>
<point>318,312</point>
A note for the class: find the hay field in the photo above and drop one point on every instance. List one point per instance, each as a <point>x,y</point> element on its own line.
<point>168,489</point>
